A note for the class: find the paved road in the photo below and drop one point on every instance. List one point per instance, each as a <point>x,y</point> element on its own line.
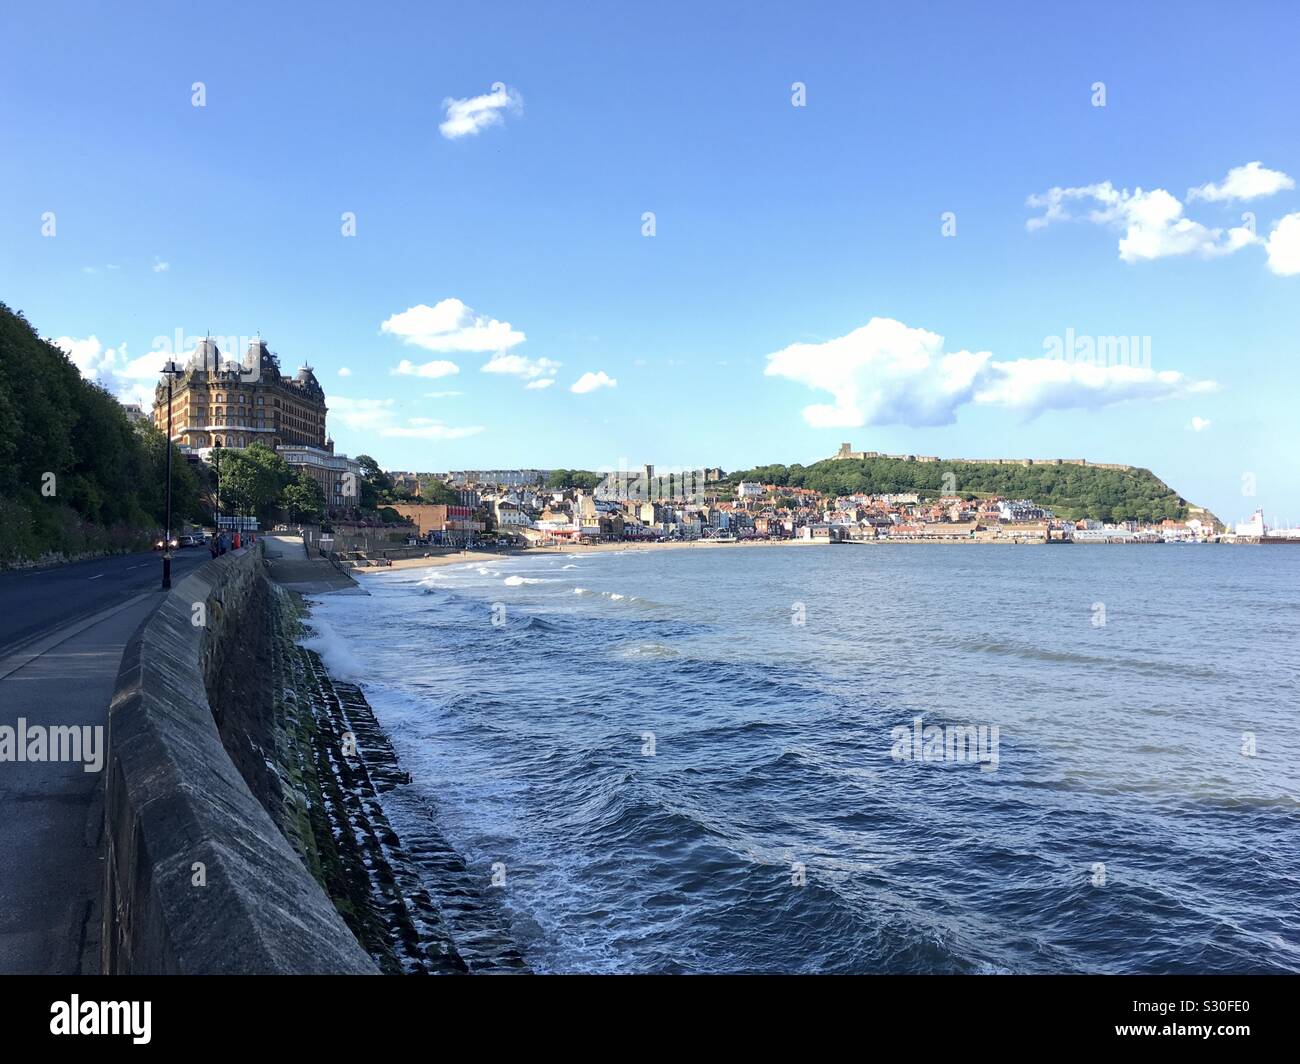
<point>36,601</point>
<point>62,633</point>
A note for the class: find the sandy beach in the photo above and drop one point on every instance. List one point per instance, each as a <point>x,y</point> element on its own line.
<point>467,557</point>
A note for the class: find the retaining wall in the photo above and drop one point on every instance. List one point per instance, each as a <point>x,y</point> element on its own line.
<point>198,878</point>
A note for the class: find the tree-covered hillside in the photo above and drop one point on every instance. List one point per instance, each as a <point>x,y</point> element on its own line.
<point>1071,491</point>
<point>76,475</point>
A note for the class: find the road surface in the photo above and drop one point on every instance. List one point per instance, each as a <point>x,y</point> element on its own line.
<point>62,633</point>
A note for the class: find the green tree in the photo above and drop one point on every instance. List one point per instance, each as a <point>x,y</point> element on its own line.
<point>303,498</point>
<point>584,479</point>
<point>376,485</point>
<point>76,474</point>
<point>436,492</point>
<point>253,481</point>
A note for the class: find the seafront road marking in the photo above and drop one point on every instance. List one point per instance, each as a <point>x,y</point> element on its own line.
<point>16,657</point>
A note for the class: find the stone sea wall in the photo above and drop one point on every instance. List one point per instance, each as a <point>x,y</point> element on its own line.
<point>199,879</point>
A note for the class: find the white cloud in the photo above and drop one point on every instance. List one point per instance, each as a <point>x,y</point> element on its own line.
<point>451,326</point>
<point>344,371</point>
<point>468,116</point>
<point>518,366</point>
<point>431,431</point>
<point>1199,424</point>
<point>1033,385</point>
<point>131,380</point>
<point>441,395</point>
<point>159,266</point>
<point>537,385</point>
<point>436,368</point>
<point>1284,246</point>
<point>887,373</point>
<point>1243,183</point>
<point>1153,222</point>
<point>379,417</point>
<point>589,382</point>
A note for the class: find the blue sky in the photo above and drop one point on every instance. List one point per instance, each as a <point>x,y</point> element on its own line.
<point>779,230</point>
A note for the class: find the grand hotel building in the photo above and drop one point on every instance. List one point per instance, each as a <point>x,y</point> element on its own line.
<point>218,404</point>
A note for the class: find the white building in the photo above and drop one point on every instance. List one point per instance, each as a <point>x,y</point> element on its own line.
<point>1253,527</point>
<point>338,475</point>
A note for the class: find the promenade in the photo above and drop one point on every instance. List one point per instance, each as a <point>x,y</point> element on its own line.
<point>289,565</point>
<point>62,633</point>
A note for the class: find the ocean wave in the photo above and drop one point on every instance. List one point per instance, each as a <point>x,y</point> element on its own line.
<point>658,651</point>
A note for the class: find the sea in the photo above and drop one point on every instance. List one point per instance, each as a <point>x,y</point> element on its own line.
<point>856,758</point>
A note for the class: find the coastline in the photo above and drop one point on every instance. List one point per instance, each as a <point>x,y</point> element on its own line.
<point>470,557</point>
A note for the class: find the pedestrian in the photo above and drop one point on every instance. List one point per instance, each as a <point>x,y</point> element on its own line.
<point>236,539</point>
<point>212,545</point>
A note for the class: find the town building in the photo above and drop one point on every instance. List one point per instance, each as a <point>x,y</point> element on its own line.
<point>338,475</point>
<point>234,404</point>
<point>135,412</point>
<point>231,405</point>
<point>455,525</point>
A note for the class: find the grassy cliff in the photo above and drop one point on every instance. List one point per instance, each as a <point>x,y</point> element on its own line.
<point>1071,491</point>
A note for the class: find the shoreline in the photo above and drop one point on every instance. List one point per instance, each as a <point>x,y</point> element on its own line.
<point>470,557</point>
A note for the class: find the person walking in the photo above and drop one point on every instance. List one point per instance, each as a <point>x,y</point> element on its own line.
<point>236,539</point>
<point>212,545</point>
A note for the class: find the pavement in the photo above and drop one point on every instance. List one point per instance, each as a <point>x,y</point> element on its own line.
<point>62,633</point>
<point>291,568</point>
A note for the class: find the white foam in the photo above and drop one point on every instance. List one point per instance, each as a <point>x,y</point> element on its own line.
<point>333,649</point>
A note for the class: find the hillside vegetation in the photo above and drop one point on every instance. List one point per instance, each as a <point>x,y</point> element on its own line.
<point>77,476</point>
<point>1072,492</point>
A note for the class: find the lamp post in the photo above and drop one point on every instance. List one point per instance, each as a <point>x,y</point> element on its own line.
<point>216,461</point>
<point>171,371</point>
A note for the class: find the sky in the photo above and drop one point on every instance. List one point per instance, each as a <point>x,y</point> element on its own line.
<point>685,234</point>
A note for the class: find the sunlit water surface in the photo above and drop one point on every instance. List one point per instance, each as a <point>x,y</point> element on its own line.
<point>1124,828</point>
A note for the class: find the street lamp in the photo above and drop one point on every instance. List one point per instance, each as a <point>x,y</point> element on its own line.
<point>171,371</point>
<point>216,461</point>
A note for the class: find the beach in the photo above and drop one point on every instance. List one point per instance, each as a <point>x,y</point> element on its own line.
<point>466,557</point>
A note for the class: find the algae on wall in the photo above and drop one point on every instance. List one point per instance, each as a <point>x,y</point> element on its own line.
<point>317,759</point>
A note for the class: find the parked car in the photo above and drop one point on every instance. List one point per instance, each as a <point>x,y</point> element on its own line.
<point>190,540</point>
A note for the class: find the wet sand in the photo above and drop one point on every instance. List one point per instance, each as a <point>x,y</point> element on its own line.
<point>468,557</point>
